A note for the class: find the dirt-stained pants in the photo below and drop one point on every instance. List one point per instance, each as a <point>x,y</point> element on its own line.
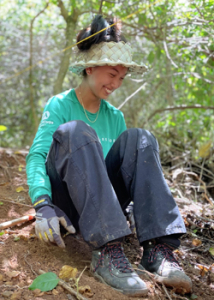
<point>94,192</point>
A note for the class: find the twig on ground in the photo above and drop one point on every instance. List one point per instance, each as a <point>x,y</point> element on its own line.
<point>6,171</point>
<point>12,286</point>
<point>18,203</point>
<point>193,248</point>
<point>78,279</point>
<point>152,278</point>
<point>165,290</point>
<point>203,218</point>
<point>201,237</point>
<point>193,224</point>
<point>179,297</point>
<point>28,253</point>
<point>68,288</point>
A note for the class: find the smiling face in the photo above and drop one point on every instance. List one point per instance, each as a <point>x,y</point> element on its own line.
<point>104,80</point>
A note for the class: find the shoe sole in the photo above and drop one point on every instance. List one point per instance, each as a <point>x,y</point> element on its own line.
<point>135,293</point>
<point>181,285</point>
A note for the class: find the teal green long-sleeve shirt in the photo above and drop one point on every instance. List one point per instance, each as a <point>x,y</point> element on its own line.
<point>60,109</point>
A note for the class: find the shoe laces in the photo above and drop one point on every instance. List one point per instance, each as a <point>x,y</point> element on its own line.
<point>116,257</point>
<point>167,254</point>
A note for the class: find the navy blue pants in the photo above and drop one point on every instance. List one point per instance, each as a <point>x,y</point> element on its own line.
<point>94,192</point>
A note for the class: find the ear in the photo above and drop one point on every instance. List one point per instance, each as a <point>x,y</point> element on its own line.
<point>88,70</point>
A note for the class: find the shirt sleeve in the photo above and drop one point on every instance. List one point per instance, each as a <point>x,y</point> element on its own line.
<point>37,178</point>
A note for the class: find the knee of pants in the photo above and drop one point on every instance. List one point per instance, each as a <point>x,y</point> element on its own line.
<point>142,137</point>
<point>75,134</point>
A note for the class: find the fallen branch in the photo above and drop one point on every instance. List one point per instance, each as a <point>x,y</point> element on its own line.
<point>203,218</point>
<point>16,221</point>
<point>165,290</point>
<point>18,203</point>
<point>68,288</point>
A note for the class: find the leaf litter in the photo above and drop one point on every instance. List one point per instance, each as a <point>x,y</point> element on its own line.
<point>196,253</point>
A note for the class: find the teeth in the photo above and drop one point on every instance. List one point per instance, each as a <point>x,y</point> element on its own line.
<point>108,91</point>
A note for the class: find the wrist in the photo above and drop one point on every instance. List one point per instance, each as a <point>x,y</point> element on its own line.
<point>41,201</point>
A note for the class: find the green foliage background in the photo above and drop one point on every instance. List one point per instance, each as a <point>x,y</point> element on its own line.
<point>173,38</point>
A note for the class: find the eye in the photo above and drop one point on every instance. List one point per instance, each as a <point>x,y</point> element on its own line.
<point>112,75</point>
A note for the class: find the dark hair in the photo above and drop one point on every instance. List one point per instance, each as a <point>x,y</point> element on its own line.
<point>112,34</point>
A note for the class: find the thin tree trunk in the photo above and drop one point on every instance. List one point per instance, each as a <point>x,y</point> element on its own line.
<point>32,102</point>
<point>70,32</point>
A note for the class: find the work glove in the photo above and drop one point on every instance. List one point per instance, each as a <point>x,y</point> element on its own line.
<point>48,219</point>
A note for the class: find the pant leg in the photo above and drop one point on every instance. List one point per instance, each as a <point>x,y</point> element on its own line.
<point>134,168</point>
<point>76,154</point>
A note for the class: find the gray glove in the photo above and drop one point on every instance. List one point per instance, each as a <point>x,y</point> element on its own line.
<point>47,224</point>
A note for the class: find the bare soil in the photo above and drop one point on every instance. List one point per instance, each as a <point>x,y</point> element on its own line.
<point>21,251</point>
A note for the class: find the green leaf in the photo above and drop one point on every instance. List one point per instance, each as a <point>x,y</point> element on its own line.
<point>16,238</point>
<point>193,296</point>
<point>1,203</point>
<point>45,282</point>
<point>2,232</point>
<point>211,250</point>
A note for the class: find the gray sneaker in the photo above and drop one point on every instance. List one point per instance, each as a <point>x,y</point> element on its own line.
<point>110,266</point>
<point>159,260</point>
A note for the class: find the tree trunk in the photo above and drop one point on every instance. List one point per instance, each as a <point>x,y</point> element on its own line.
<point>65,58</point>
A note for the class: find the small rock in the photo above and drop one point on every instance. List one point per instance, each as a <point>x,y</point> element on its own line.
<point>7,294</point>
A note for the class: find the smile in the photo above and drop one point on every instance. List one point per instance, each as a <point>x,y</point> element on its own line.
<point>108,91</point>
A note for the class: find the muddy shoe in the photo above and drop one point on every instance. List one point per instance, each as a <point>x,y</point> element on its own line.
<point>159,260</point>
<point>110,266</point>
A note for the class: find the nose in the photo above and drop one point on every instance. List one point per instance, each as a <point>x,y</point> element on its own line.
<point>116,83</point>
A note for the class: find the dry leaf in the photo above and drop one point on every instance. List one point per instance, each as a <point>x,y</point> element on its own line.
<point>203,269</point>
<point>89,295</point>
<point>36,292</point>
<point>55,292</point>
<point>12,274</point>
<point>67,272</point>
<point>1,277</point>
<point>16,296</point>
<point>20,189</point>
<point>196,242</point>
<point>84,289</point>
<point>204,150</point>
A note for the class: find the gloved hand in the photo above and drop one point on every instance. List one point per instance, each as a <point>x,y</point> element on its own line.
<point>47,224</point>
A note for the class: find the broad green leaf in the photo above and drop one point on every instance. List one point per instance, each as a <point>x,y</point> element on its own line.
<point>2,232</point>
<point>1,203</point>
<point>45,282</point>
<point>193,296</point>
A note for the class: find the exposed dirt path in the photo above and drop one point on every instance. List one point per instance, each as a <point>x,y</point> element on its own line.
<point>22,252</point>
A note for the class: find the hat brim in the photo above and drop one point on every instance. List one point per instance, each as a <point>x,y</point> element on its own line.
<point>133,68</point>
